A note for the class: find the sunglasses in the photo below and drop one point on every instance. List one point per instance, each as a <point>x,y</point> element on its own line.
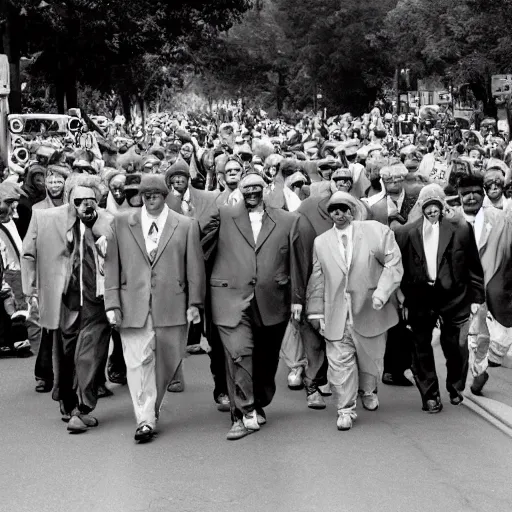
<point>392,180</point>
<point>343,208</point>
<point>489,184</point>
<point>148,196</point>
<point>78,201</point>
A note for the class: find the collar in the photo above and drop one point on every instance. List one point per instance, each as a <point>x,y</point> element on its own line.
<point>148,219</point>
<point>347,231</point>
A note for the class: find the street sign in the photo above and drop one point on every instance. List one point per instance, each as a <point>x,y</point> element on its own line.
<point>501,85</point>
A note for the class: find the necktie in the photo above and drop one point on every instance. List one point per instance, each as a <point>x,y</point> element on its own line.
<point>153,236</point>
<point>344,241</point>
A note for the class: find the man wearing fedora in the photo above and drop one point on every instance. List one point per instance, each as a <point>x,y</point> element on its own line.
<point>154,287</point>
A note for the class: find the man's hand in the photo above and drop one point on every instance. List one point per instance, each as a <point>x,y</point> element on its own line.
<point>377,304</point>
<point>114,317</point>
<point>33,302</point>
<point>101,246</point>
<point>318,324</point>
<point>475,308</point>
<point>193,315</point>
<point>296,312</point>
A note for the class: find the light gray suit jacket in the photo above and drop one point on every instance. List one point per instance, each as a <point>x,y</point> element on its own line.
<point>375,271</point>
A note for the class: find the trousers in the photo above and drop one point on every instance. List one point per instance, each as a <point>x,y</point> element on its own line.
<point>80,347</point>
<point>152,355</point>
<point>252,358</point>
<point>487,340</point>
<point>454,332</point>
<point>315,372</point>
<point>355,365</point>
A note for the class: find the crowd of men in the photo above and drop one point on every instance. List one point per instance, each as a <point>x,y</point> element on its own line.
<point>338,245</point>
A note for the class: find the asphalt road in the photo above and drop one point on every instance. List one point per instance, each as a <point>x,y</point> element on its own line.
<point>396,459</point>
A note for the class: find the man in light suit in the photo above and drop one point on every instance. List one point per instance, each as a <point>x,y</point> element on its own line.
<point>356,269</point>
<point>154,285</point>
<point>250,294</point>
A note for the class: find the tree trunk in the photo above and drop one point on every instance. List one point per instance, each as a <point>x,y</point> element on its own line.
<point>125,101</point>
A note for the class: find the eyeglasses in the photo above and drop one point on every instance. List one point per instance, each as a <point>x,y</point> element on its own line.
<point>392,180</point>
<point>346,181</point>
<point>343,208</point>
<point>89,201</point>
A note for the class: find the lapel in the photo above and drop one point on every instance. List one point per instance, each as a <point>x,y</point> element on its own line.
<point>357,235</point>
<point>445,235</point>
<point>322,208</point>
<point>417,238</point>
<point>267,226</point>
<point>334,247</point>
<point>168,231</point>
<point>241,220</point>
<point>136,229</point>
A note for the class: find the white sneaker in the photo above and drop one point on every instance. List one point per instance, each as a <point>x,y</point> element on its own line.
<point>344,421</point>
<point>295,378</point>
<point>251,421</point>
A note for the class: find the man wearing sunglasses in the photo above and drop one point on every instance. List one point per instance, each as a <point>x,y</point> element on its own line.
<point>62,270</point>
<point>352,313</point>
<point>154,287</point>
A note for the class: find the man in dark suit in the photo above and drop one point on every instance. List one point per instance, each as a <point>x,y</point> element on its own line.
<point>250,295</point>
<point>443,280</point>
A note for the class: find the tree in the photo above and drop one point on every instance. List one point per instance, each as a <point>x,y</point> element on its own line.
<point>117,45</point>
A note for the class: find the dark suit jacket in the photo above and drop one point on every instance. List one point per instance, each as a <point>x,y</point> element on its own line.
<point>379,210</point>
<point>460,277</point>
<point>242,269</point>
<point>312,220</point>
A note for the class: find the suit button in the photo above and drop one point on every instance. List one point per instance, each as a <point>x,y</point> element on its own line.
<point>153,283</point>
<point>253,282</point>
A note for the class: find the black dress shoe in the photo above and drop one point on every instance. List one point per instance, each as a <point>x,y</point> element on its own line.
<point>479,383</point>
<point>433,406</point>
<point>116,376</point>
<point>144,434</point>
<point>104,392</point>
<point>492,364</point>
<point>43,386</point>
<point>7,352</point>
<point>456,397</point>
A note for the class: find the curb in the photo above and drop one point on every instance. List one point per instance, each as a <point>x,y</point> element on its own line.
<point>496,413</point>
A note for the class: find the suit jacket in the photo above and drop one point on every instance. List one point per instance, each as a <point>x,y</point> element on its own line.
<point>45,262</point>
<point>460,277</point>
<point>375,271</point>
<point>168,286</point>
<point>312,220</point>
<point>44,204</point>
<point>495,250</point>
<point>379,210</point>
<point>243,269</point>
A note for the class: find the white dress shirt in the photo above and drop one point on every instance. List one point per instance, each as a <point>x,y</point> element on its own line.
<point>430,246</point>
<point>185,200</point>
<point>477,222</point>
<point>346,253</point>
<point>256,219</point>
<point>146,221</point>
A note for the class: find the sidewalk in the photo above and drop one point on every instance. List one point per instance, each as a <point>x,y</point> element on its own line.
<point>496,403</point>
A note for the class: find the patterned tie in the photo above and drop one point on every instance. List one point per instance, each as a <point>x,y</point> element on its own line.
<point>153,236</point>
